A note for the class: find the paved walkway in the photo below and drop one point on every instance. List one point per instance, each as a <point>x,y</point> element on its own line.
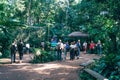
<point>65,70</point>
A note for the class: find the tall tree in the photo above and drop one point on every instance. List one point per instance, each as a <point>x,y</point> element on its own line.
<point>101,21</point>
<point>8,22</point>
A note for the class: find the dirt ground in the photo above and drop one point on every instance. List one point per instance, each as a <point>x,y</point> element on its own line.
<point>65,70</point>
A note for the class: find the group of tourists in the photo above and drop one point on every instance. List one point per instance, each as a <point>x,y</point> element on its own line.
<point>97,47</point>
<point>18,47</point>
<point>74,48</point>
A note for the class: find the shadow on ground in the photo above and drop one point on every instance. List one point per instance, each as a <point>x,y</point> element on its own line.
<point>65,70</point>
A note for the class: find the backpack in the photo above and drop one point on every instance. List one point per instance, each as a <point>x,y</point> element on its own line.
<point>67,46</point>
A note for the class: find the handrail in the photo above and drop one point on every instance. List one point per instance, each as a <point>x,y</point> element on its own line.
<point>95,74</point>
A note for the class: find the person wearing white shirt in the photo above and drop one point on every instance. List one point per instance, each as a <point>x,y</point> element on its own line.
<point>27,47</point>
<point>85,46</point>
<point>60,47</point>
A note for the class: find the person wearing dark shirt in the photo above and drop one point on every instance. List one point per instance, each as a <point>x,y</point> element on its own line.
<point>20,50</point>
<point>99,47</point>
<point>66,49</point>
<point>13,52</point>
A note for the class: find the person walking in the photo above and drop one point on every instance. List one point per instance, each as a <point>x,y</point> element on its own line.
<point>59,47</point>
<point>85,47</point>
<point>72,50</point>
<point>66,49</point>
<point>92,47</point>
<point>99,47</point>
<point>20,50</point>
<point>13,49</point>
<point>27,48</point>
<point>78,44</point>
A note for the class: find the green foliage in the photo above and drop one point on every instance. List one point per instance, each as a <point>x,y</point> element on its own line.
<point>4,44</point>
<point>102,23</point>
<point>86,76</point>
<point>46,18</point>
<point>42,56</point>
<point>7,24</point>
<point>108,66</point>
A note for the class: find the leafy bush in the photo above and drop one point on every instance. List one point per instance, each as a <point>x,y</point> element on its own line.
<point>108,66</point>
<point>85,76</point>
<point>42,56</point>
<point>4,45</point>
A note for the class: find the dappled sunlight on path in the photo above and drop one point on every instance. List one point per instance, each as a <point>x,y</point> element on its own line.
<point>65,70</point>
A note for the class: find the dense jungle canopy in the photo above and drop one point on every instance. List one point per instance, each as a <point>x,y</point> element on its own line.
<point>28,19</point>
<point>39,20</point>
